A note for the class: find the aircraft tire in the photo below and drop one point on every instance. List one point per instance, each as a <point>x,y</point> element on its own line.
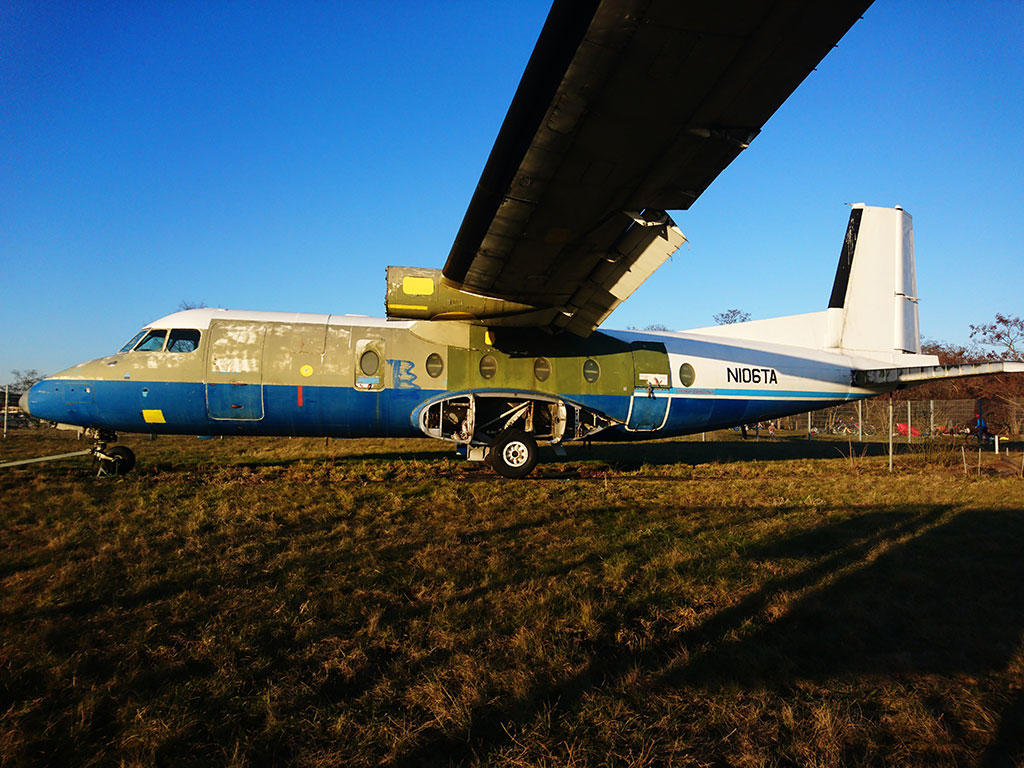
<point>121,460</point>
<point>513,454</point>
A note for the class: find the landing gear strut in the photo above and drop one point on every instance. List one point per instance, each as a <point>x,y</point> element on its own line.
<point>117,460</point>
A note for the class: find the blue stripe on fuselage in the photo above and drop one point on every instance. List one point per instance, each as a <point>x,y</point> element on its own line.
<point>347,412</point>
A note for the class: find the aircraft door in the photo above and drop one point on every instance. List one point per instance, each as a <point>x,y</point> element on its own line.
<point>648,407</point>
<point>234,379</point>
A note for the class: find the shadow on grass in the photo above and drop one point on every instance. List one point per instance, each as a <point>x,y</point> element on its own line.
<point>897,591</point>
<point>623,456</point>
<point>633,455</point>
<point>893,590</point>
<point>948,600</point>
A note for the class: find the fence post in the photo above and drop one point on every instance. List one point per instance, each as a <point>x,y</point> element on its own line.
<point>890,431</point>
<point>860,421</point>
<point>6,388</point>
<point>808,425</point>
<point>931,418</point>
<point>908,422</point>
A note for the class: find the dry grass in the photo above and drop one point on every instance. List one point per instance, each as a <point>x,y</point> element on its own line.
<point>243,602</point>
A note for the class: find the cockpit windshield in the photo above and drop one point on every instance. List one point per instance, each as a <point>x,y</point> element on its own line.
<point>152,340</point>
<point>183,340</point>
<point>135,340</point>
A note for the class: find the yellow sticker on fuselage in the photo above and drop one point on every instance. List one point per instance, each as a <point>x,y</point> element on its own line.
<point>418,286</point>
<point>306,370</point>
<point>154,416</point>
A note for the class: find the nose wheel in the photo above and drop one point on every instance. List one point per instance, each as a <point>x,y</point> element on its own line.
<point>118,460</point>
<point>115,460</point>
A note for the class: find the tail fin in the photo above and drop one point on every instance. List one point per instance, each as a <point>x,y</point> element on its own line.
<point>873,307</point>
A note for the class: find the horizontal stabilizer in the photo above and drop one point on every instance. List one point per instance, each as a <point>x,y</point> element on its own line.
<point>921,374</point>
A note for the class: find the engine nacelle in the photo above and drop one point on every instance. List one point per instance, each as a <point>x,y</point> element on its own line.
<point>415,293</point>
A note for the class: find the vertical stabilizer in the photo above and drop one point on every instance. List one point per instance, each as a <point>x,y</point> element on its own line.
<point>873,307</point>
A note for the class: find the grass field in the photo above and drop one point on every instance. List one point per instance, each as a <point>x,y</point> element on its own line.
<point>257,601</point>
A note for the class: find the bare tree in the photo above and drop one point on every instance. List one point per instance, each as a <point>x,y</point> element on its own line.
<point>731,316</point>
<point>182,306</point>
<point>1006,334</point>
<point>23,380</point>
<point>651,327</point>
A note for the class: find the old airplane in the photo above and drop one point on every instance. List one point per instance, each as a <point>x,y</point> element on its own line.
<point>626,110</point>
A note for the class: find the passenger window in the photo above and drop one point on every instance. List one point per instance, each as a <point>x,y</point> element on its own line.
<point>131,344</point>
<point>183,340</point>
<point>369,363</point>
<point>435,365</point>
<point>488,366</point>
<point>153,342</point>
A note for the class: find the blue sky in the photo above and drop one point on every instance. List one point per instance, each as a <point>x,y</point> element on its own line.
<point>260,155</point>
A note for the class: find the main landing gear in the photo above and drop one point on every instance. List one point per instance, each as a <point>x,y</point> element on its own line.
<point>504,427</point>
<point>115,460</point>
<point>513,454</point>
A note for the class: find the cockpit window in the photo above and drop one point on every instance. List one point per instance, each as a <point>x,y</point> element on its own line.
<point>183,340</point>
<point>135,340</point>
<point>153,342</point>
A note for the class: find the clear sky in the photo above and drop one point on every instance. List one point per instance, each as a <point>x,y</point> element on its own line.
<point>278,155</point>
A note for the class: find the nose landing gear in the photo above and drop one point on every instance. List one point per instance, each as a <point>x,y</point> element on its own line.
<point>116,460</point>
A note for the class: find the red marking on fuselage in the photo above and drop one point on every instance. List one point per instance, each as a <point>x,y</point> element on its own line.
<point>300,395</point>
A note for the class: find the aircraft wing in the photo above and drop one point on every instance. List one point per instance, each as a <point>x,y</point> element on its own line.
<point>627,109</point>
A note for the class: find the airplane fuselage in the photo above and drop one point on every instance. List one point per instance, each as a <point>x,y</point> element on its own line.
<point>264,373</point>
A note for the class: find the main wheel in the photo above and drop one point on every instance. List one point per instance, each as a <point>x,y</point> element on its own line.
<point>513,454</point>
<point>120,462</point>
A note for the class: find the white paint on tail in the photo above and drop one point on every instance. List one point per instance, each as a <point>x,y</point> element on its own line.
<point>872,313</point>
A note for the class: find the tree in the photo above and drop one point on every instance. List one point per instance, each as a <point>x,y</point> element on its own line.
<point>1006,334</point>
<point>23,380</point>
<point>731,316</point>
<point>651,327</point>
<point>1000,396</point>
<point>182,306</point>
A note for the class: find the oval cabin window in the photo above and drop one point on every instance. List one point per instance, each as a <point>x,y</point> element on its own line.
<point>542,368</point>
<point>488,366</point>
<point>686,374</point>
<point>591,370</point>
<point>369,363</point>
<point>435,365</point>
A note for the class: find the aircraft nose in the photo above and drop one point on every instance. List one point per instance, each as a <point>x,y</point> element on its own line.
<point>23,403</point>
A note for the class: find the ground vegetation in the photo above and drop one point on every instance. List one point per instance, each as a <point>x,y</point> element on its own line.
<point>248,602</point>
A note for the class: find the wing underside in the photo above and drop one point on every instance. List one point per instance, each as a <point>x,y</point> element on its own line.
<point>627,109</point>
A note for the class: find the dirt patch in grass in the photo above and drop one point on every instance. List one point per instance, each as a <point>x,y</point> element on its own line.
<point>241,602</point>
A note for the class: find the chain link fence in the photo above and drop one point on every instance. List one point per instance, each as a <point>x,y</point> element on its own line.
<point>910,417</point>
